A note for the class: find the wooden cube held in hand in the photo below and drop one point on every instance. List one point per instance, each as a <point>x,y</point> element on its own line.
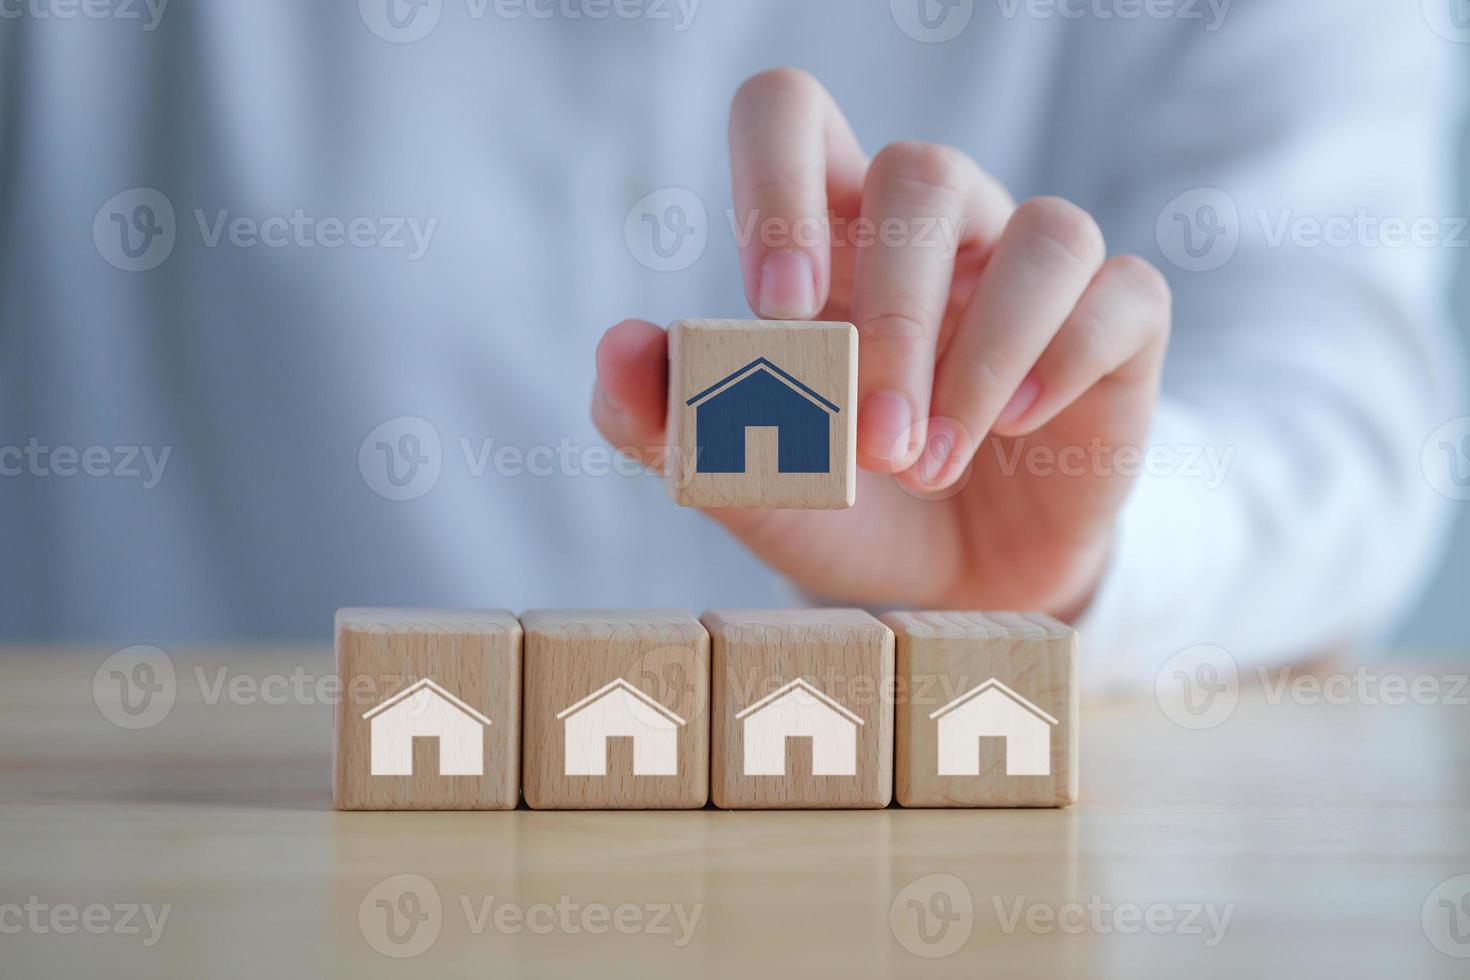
<point>803,709</point>
<point>762,413</point>
<point>987,710</point>
<point>429,716</point>
<point>616,709</point>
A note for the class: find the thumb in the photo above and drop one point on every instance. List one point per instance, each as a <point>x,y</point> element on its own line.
<point>629,405</point>
<point>630,398</point>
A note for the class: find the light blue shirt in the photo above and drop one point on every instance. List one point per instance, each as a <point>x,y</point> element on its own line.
<point>298,301</point>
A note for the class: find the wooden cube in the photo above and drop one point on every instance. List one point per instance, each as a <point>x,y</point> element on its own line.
<point>429,717</point>
<point>987,709</point>
<point>616,709</point>
<point>762,413</point>
<point>802,709</point>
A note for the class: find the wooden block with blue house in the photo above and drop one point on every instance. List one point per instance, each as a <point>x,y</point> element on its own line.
<point>762,413</point>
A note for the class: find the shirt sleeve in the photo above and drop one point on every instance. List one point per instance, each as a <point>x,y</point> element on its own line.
<point>1299,161</point>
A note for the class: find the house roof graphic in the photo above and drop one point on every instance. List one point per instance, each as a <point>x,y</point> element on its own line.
<point>761,364</point>
<point>802,683</point>
<point>608,688</point>
<point>979,689</point>
<point>419,685</point>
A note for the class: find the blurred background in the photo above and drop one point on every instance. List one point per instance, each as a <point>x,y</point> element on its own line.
<point>1439,623</point>
<point>504,163</point>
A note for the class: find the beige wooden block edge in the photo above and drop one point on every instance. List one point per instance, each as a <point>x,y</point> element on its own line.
<point>675,469</point>
<point>1034,626</point>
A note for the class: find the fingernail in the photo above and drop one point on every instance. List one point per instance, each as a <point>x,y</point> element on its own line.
<point>936,451</point>
<point>788,287</point>
<point>887,422</point>
<point>1020,402</point>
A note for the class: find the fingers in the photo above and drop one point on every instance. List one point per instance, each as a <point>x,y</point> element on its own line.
<point>1039,270</point>
<point>791,155</point>
<point>923,201</point>
<point>629,404</point>
<point>1119,330</point>
<point>629,400</point>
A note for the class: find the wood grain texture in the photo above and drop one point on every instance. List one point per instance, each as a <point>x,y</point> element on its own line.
<point>942,656</point>
<point>573,654</point>
<point>845,654</point>
<point>475,655</point>
<point>822,356</point>
<point>1306,817</point>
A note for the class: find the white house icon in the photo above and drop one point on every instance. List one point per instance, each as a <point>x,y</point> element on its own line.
<point>618,709</point>
<point>799,709</point>
<point>424,709</point>
<point>992,710</point>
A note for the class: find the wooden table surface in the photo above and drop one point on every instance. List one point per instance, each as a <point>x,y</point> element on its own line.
<point>1294,839</point>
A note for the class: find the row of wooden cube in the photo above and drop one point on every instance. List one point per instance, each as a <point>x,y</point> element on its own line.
<point>650,709</point>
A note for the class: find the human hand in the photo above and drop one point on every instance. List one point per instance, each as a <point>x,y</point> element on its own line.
<point>984,365</point>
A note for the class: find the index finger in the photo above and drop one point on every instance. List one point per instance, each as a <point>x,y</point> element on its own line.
<point>792,156</point>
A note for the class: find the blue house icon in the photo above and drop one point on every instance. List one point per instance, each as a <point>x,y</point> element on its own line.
<point>762,395</point>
